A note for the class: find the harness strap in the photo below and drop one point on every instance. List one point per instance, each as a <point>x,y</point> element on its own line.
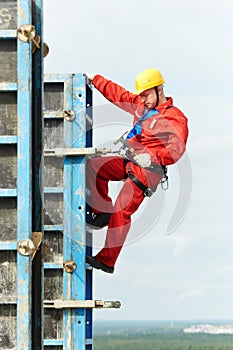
<point>125,163</point>
<point>147,191</point>
<point>157,95</point>
<point>156,168</point>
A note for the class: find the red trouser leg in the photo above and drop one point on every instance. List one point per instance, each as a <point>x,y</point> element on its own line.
<point>99,171</point>
<point>128,201</point>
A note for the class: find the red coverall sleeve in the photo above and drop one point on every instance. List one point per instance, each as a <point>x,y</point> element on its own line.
<point>117,94</point>
<point>175,136</point>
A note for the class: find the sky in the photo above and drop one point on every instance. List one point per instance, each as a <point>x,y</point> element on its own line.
<point>161,275</point>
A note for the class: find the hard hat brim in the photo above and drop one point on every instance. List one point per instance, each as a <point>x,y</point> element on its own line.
<point>140,91</point>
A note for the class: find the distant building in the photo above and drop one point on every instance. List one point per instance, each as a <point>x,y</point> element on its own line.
<point>210,329</point>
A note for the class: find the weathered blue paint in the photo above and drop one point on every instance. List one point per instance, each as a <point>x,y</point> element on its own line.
<point>8,139</point>
<point>8,34</point>
<point>57,77</point>
<point>8,192</point>
<point>69,217</point>
<point>53,342</point>
<point>79,209</point>
<point>89,282</point>
<point>53,190</point>
<point>66,79</point>
<point>8,245</point>
<point>53,227</point>
<point>77,323</point>
<point>23,139</point>
<point>24,228</point>
<point>53,115</point>
<point>53,266</point>
<point>8,86</point>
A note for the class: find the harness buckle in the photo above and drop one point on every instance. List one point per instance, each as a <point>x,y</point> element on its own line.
<point>148,192</point>
<point>164,180</point>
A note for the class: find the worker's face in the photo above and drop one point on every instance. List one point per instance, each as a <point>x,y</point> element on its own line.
<point>149,98</point>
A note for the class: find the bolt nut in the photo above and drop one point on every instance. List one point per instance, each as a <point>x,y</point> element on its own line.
<point>45,50</point>
<point>25,247</point>
<point>69,115</point>
<point>69,266</point>
<point>26,32</point>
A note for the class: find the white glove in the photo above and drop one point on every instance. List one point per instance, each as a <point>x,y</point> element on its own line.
<point>144,160</point>
<point>90,76</point>
<point>122,152</point>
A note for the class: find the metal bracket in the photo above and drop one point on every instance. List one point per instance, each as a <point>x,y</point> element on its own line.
<point>81,304</point>
<point>63,152</point>
<point>27,33</point>
<point>45,50</point>
<point>29,246</point>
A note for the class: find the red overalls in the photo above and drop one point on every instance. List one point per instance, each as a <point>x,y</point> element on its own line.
<point>163,136</point>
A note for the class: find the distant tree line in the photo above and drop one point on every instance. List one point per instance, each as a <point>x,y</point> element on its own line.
<point>176,341</point>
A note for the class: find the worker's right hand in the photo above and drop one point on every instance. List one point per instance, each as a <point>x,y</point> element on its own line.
<point>90,76</point>
<point>143,159</point>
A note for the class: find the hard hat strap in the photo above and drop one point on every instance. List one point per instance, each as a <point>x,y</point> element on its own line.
<point>157,95</point>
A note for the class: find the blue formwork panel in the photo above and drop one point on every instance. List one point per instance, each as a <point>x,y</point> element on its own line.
<point>16,125</point>
<point>24,190</point>
<point>67,103</point>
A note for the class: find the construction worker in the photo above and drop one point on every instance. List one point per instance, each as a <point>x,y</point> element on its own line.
<point>157,139</point>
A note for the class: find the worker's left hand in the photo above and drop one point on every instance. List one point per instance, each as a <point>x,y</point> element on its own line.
<point>90,76</point>
<point>123,152</point>
<point>144,160</point>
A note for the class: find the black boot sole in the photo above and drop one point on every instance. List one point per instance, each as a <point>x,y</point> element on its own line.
<point>95,227</point>
<point>99,265</point>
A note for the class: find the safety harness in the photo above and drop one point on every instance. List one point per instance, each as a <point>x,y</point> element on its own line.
<point>147,191</point>
<point>137,128</point>
<point>160,169</point>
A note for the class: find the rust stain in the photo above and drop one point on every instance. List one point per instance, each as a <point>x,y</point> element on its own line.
<point>3,86</point>
<point>81,243</point>
<point>21,14</point>
<point>69,338</point>
<point>80,191</point>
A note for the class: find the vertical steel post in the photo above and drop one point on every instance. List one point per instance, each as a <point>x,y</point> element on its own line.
<point>24,189</point>
<point>74,219</point>
<point>89,280</point>
<point>37,177</point>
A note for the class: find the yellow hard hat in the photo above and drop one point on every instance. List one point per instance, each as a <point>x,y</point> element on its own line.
<point>148,79</point>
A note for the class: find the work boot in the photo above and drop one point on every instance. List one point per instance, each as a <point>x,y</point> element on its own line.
<point>99,220</point>
<point>99,265</point>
